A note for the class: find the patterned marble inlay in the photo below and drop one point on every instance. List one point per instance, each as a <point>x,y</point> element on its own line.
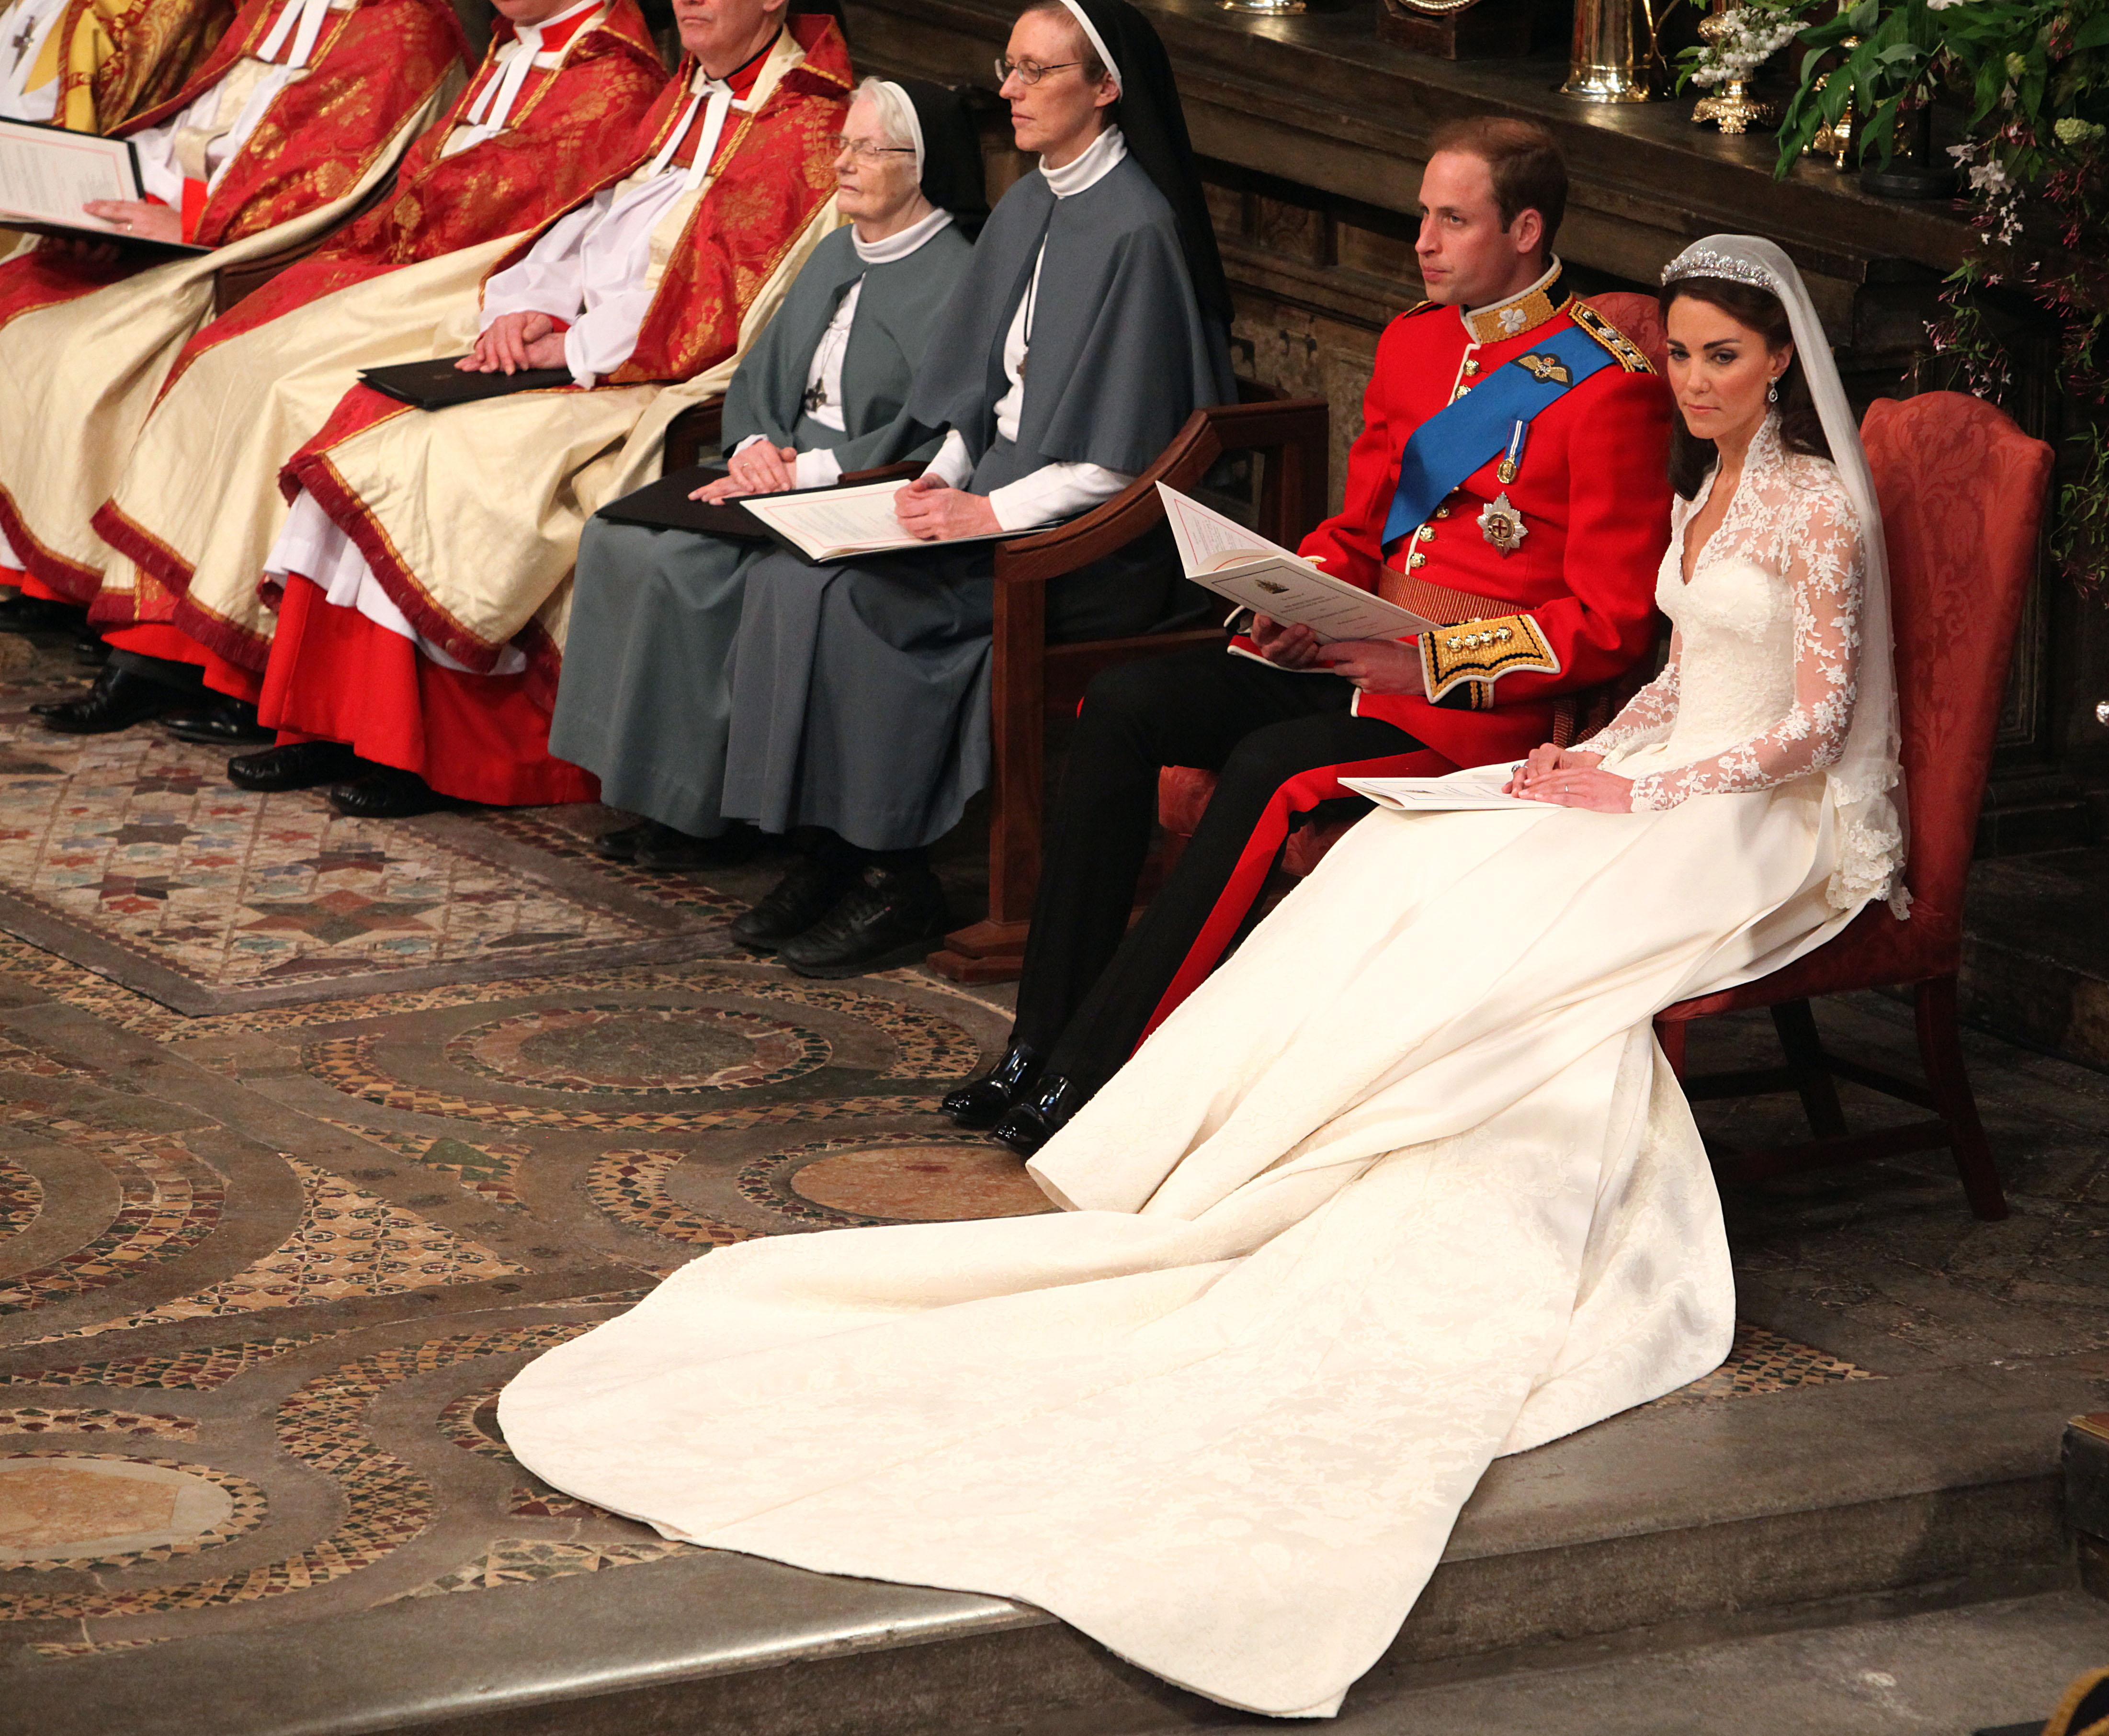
<point>200,1370</point>
<point>349,1242</point>
<point>141,840</point>
<point>622,1049</point>
<point>631,1186</point>
<point>487,1171</point>
<point>836,1183</point>
<point>81,1510</point>
<point>21,1197</point>
<point>35,1419</point>
<point>1764,1361</point>
<point>386,1503</point>
<point>169,1200</point>
<point>521,1561</point>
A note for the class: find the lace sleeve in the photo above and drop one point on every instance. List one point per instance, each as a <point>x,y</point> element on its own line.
<point>1820,559</point>
<point>1648,716</point>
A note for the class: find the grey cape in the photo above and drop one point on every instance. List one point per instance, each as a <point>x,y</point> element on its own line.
<point>859,690</point>
<point>642,701</point>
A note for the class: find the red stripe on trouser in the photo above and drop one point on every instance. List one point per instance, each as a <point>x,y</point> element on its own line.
<point>1298,794</point>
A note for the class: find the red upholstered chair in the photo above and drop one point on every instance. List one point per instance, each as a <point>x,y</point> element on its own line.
<point>1963,493</point>
<point>1183,790</point>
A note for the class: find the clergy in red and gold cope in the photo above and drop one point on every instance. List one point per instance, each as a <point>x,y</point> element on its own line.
<point>426,564</point>
<point>303,108</point>
<point>1510,474</point>
<point>563,85</point>
<point>89,65</point>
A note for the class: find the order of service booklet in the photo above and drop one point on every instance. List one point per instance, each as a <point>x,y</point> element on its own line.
<point>1223,556</point>
<point>1477,786</point>
<point>47,174</point>
<point>833,524</point>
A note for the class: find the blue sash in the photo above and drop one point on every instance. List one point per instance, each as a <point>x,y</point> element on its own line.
<point>1469,431</point>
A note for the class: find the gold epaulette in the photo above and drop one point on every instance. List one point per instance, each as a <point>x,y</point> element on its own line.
<point>1629,356</point>
<point>1483,651</point>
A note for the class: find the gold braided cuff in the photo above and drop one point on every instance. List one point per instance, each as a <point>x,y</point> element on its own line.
<point>1483,651</point>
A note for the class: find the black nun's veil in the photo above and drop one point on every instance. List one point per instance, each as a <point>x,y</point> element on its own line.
<point>953,177</point>
<point>1154,125</point>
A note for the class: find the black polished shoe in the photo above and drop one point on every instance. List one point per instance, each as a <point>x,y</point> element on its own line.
<point>620,845</point>
<point>23,613</point>
<point>1032,1124</point>
<point>983,1102</point>
<point>230,723</point>
<point>794,904</point>
<point>118,699</point>
<point>388,792</point>
<point>294,765</point>
<point>667,850</point>
<point>889,917</point>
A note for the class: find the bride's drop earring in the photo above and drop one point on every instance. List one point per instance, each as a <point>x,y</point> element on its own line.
<point>1771,393</point>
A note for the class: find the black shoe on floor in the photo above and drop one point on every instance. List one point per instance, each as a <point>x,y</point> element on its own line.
<point>118,699</point>
<point>667,850</point>
<point>23,613</point>
<point>230,723</point>
<point>388,792</point>
<point>889,917</point>
<point>985,1101</point>
<point>1030,1125</point>
<point>621,844</point>
<point>294,765</point>
<point>794,904</point>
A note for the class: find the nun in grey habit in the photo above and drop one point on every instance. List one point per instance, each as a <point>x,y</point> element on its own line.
<point>1091,323</point>
<point>642,700</point>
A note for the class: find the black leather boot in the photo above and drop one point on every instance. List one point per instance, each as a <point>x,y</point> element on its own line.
<point>889,916</point>
<point>983,1102</point>
<point>118,699</point>
<point>1052,1106</point>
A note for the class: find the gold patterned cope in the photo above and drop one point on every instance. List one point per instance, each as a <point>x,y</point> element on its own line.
<point>1482,651</point>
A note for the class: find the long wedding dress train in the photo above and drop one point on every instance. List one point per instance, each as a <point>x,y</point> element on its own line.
<point>1407,1185</point>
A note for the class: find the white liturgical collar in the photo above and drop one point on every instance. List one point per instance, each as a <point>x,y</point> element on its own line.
<point>1097,160</point>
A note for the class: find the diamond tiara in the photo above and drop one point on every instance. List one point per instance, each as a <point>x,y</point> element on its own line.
<point>1703,262</point>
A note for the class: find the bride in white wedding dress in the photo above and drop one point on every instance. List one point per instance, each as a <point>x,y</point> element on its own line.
<point>1406,1186</point>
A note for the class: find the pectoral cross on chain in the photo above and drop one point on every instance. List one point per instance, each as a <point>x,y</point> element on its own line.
<point>815,397</point>
<point>20,44</point>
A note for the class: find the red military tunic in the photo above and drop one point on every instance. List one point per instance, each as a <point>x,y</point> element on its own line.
<point>1591,486</point>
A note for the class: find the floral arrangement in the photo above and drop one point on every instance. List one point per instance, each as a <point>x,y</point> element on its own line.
<point>2031,78</point>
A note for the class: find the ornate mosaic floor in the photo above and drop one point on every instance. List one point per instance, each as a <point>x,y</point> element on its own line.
<point>131,853</point>
<point>263,1270</point>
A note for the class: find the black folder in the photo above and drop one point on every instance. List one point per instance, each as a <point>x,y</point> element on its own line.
<point>434,385</point>
<point>665,505</point>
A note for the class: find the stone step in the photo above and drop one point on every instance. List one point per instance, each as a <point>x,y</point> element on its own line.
<point>1672,1526</point>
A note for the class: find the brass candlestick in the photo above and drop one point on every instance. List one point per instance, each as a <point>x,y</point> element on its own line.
<point>1602,64</point>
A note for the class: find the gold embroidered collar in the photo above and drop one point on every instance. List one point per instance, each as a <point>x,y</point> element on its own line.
<point>1521,312</point>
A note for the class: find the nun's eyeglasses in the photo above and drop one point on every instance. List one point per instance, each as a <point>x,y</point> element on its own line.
<point>865,151</point>
<point>1027,72</point>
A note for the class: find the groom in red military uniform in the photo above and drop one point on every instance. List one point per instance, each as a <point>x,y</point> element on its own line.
<point>1510,481</point>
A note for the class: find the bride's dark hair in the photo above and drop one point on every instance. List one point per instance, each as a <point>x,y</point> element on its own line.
<point>1801,429</point>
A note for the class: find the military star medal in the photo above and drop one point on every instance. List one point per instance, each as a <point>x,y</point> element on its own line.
<point>1502,525</point>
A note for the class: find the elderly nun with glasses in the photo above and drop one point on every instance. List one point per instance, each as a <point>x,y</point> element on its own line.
<point>642,701</point>
<point>1092,321</point>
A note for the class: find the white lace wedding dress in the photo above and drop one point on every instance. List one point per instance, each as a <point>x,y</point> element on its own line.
<point>1405,1187</point>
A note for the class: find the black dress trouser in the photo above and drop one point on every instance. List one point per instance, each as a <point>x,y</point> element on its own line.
<point>1091,983</point>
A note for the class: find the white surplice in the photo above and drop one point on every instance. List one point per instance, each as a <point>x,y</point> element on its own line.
<point>1405,1187</point>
